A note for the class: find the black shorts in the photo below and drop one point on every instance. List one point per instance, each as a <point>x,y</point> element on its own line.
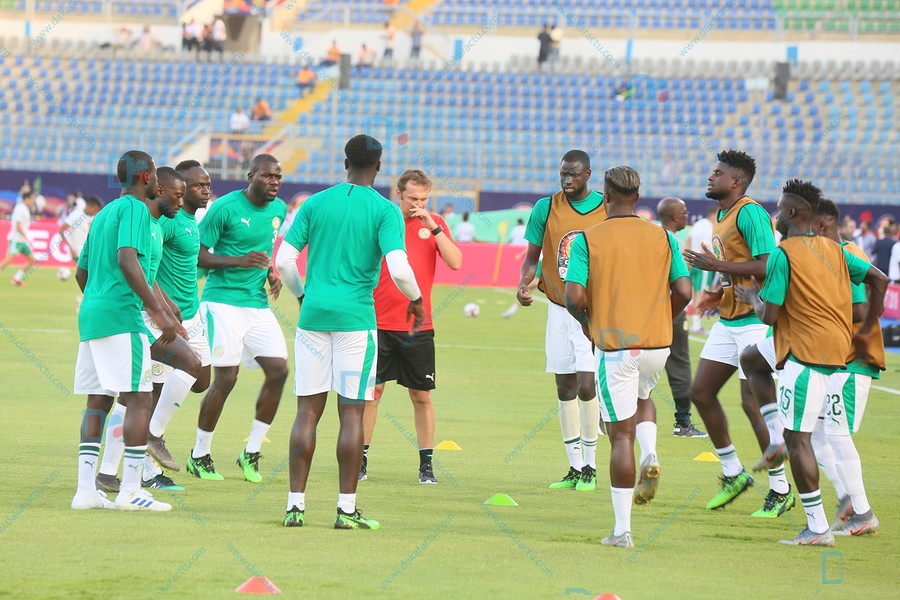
<point>407,360</point>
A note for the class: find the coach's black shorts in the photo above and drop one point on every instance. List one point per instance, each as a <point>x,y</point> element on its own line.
<point>407,360</point>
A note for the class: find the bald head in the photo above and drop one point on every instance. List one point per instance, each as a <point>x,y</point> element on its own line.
<point>672,213</point>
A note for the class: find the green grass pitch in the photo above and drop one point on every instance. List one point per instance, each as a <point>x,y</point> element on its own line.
<point>496,402</point>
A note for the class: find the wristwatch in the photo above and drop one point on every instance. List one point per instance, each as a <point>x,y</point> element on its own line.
<point>437,230</point>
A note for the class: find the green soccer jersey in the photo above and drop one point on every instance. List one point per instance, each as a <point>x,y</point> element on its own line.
<point>234,226</point>
<point>537,222</point>
<point>177,275</point>
<point>156,250</point>
<point>348,229</point>
<point>110,306</point>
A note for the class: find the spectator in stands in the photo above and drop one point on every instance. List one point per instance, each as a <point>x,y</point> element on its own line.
<point>218,35</point>
<point>884,247</point>
<point>206,39</point>
<point>261,111</point>
<point>365,59</point>
<point>240,123</point>
<point>390,36</point>
<point>893,271</point>
<point>333,56</point>
<point>147,43</point>
<point>464,231</point>
<point>622,93</point>
<point>517,235</point>
<point>667,171</point>
<point>417,33</point>
<point>448,211</point>
<point>306,80</point>
<point>867,238</point>
<point>123,38</point>
<point>545,40</point>
<point>191,37</point>
<point>556,36</point>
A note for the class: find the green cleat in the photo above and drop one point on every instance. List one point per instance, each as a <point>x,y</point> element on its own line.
<point>354,521</point>
<point>249,462</point>
<point>776,505</point>
<point>293,518</point>
<point>588,480</point>
<point>732,487</point>
<point>203,468</point>
<point>569,481</point>
<point>645,490</point>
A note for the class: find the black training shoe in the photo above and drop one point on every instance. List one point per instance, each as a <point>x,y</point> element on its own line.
<point>363,475</point>
<point>426,474</point>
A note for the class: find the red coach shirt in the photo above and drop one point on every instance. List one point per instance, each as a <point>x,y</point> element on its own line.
<point>390,303</point>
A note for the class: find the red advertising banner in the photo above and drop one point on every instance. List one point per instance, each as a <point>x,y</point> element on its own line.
<point>50,250</point>
<point>892,302</point>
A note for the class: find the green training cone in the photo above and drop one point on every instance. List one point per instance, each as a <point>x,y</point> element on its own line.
<point>500,500</point>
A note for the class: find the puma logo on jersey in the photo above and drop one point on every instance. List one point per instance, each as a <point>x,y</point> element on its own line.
<point>189,230</point>
<point>247,221</point>
<point>153,234</point>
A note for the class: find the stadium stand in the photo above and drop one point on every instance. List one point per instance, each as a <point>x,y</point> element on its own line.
<point>155,10</point>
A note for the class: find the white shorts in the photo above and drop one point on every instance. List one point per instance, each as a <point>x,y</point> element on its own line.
<point>800,396</point>
<point>725,344</point>
<point>197,340</point>
<point>568,350</point>
<point>343,361</point>
<point>766,348</point>
<point>845,404</point>
<point>623,377</point>
<point>239,334</point>
<point>111,365</point>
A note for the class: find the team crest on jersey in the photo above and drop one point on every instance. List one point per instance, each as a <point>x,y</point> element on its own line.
<point>718,248</point>
<point>562,255</point>
<point>157,369</point>
<point>424,233</point>
<point>153,325</point>
<point>276,222</point>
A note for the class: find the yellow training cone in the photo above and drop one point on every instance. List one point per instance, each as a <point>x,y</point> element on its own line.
<point>447,445</point>
<point>707,457</point>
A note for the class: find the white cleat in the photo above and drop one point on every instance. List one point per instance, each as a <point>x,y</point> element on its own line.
<point>141,500</point>
<point>89,500</point>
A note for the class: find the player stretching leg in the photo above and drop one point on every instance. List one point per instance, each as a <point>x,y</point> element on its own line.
<point>18,237</point>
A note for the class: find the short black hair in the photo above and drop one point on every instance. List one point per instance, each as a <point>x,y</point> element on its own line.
<point>740,161</point>
<point>131,163</point>
<point>579,156</point>
<point>827,208</point>
<point>806,190</point>
<point>93,200</point>
<point>186,165</point>
<point>262,159</point>
<point>167,175</point>
<point>363,151</point>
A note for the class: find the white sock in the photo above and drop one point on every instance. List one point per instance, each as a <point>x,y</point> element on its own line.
<point>88,456</point>
<point>850,468</point>
<point>826,459</point>
<point>347,503</point>
<point>570,424</point>
<point>695,322</point>
<point>815,512</point>
<point>19,275</point>
<point>774,423</point>
<point>297,499</point>
<point>731,464</point>
<point>258,433</point>
<point>590,429</point>
<point>174,391</point>
<point>645,431</point>
<point>133,469</point>
<point>115,443</point>
<point>151,469</point>
<point>778,480</point>
<point>204,441</point>
<point>621,501</point>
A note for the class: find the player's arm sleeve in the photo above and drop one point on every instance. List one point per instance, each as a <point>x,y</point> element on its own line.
<point>677,267</point>
<point>402,273</point>
<point>858,269</point>
<point>211,226</point>
<point>298,235</point>
<point>755,226</point>
<point>286,263</point>
<point>169,229</point>
<point>577,271</point>
<point>537,222</point>
<point>778,271</point>
<point>134,227</point>
<point>390,232</point>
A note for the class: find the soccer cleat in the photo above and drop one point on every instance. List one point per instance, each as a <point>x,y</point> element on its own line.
<point>864,524</point>
<point>776,505</point>
<point>141,500</point>
<point>844,512</point>
<point>645,490</point>
<point>293,518</point>
<point>203,468</point>
<point>688,431</point>
<point>95,499</point>
<point>156,447</point>
<point>619,541</point>
<point>108,483</point>
<point>772,458</point>
<point>569,481</point>
<point>588,480</point>
<point>354,520</point>
<point>249,462</point>
<point>426,474</point>
<point>18,282</point>
<point>161,482</point>
<point>808,538</point>
<point>732,487</point>
<point>363,474</point>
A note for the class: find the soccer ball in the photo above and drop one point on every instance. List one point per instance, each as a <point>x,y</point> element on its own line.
<point>63,273</point>
<point>471,309</point>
